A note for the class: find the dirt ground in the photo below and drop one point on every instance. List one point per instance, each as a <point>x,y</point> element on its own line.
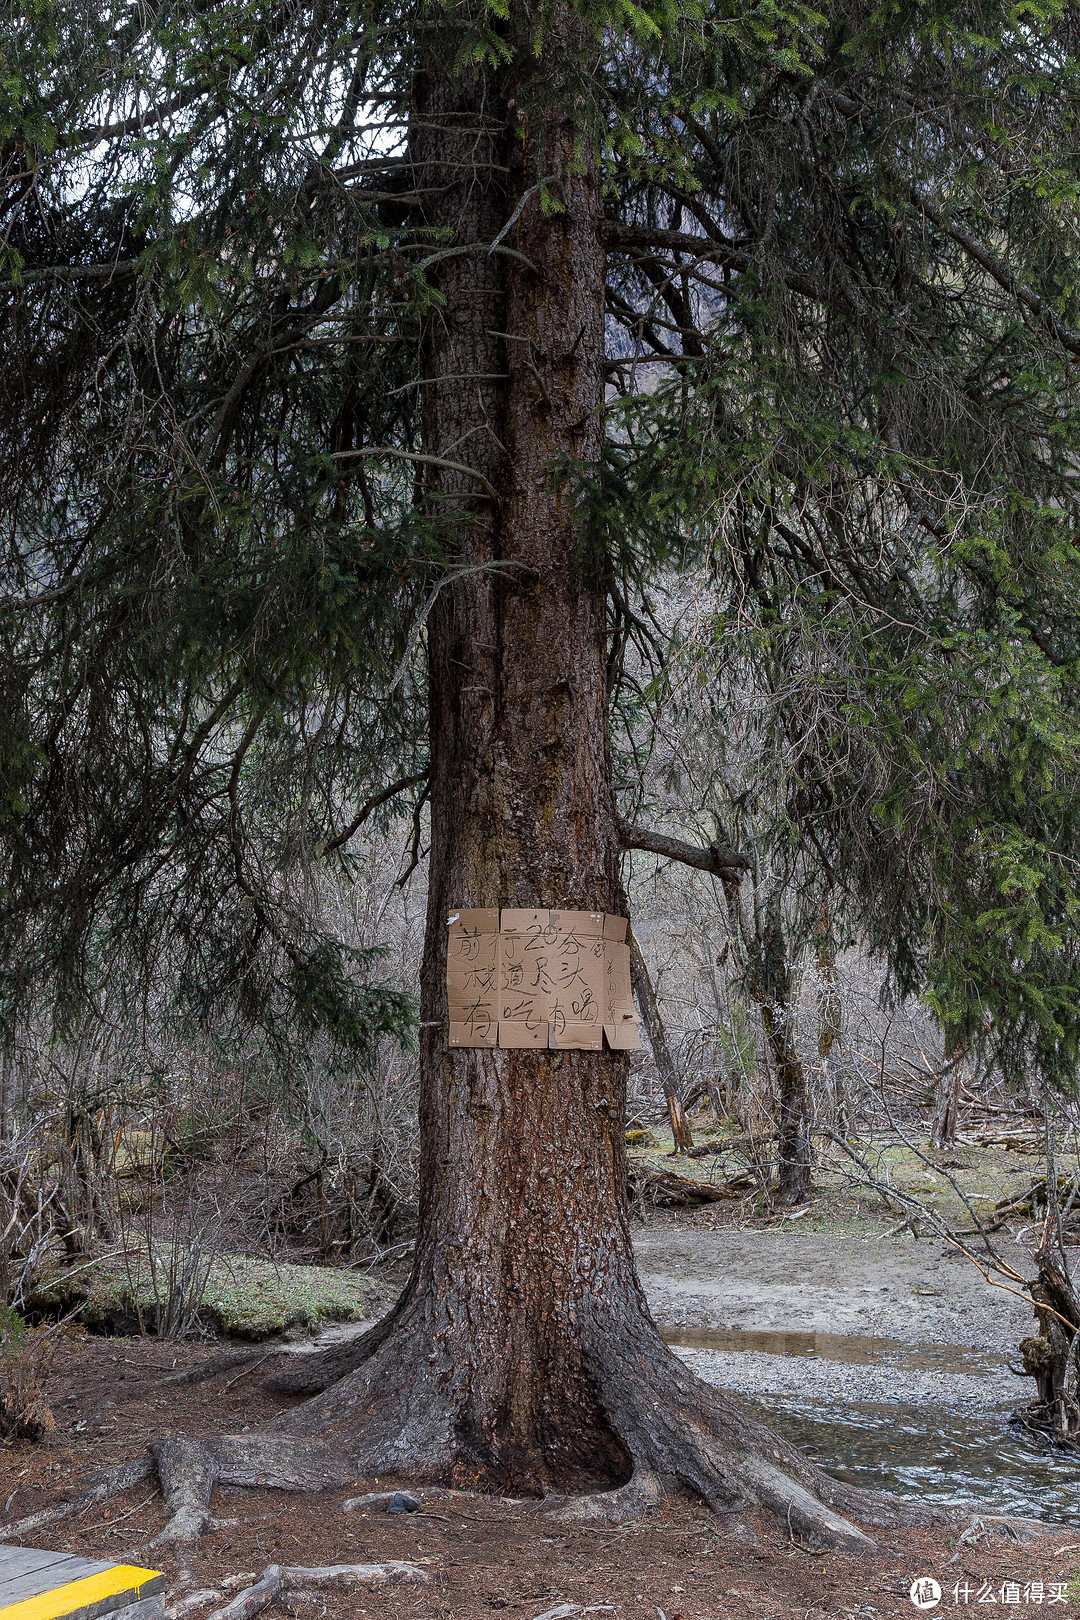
<point>483,1556</point>
<point>859,1282</point>
<point>838,1271</point>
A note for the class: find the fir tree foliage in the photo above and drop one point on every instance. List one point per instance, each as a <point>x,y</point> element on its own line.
<point>843,339</point>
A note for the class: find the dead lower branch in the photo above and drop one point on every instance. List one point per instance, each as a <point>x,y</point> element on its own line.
<point>713,858</point>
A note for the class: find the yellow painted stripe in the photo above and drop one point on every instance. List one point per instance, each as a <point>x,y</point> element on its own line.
<point>81,1594</point>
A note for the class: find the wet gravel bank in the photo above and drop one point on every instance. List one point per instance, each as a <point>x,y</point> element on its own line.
<point>749,1372</point>
<point>791,1280</point>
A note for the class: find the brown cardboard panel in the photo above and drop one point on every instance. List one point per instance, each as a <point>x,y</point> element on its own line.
<point>476,983</point>
<point>516,1007</point>
<point>515,968</point>
<point>478,921</point>
<point>616,1008</point>
<point>577,1037</point>
<point>572,946</point>
<point>625,1037</point>
<point>570,973</point>
<point>466,1035</point>
<point>476,1008</point>
<point>617,988</point>
<point>465,951</point>
<point>579,1009</point>
<point>582,1007</point>
<point>579,987</point>
<point>614,928</point>
<point>519,1036</point>
<point>586,924</point>
<point>524,921</point>
<point>538,970</point>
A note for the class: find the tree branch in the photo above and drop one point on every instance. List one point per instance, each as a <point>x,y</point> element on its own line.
<point>1006,279</point>
<point>702,250</point>
<point>133,125</point>
<point>72,272</point>
<point>720,862</point>
<point>373,804</point>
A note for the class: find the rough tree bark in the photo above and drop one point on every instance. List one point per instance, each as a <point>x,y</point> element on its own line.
<point>1050,1355</point>
<point>654,1027</point>
<point>793,1180</point>
<point>522,1352</point>
<point>772,984</point>
<point>830,1033</point>
<point>769,982</point>
<point>947,1100</point>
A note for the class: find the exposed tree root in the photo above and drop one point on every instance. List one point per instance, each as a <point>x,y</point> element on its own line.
<point>278,1578</point>
<point>97,1489</point>
<point>377,1499</point>
<point>313,1371</point>
<point>189,1470</point>
<point>397,1414</point>
<point>402,1411</point>
<point>404,1401</point>
<point>642,1490</point>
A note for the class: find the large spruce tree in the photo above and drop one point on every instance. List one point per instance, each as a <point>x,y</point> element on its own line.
<point>340,334</point>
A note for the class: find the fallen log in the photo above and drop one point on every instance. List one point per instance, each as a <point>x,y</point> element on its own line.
<point>1018,1141</point>
<point>667,1190</point>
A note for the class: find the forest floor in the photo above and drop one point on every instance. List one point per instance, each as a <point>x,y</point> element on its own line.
<point>484,1556</point>
<point>824,1318</point>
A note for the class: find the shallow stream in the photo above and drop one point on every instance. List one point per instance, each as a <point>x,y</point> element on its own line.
<point>862,1350</point>
<point>922,1449</point>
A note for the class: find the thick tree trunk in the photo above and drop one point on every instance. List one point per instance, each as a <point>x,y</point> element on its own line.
<point>522,1352</point>
<point>654,1028</point>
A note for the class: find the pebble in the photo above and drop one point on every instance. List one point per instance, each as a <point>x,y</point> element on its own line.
<point>402,1502</point>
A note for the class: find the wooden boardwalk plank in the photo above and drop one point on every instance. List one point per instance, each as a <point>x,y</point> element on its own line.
<point>16,1562</point>
<point>33,1582</point>
<point>39,1585</point>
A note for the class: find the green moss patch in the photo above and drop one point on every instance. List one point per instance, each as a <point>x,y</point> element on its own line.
<point>242,1297</point>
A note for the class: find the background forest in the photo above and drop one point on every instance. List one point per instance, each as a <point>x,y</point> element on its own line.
<point>731,352</point>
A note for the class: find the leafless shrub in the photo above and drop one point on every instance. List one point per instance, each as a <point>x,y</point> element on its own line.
<point>26,1355</point>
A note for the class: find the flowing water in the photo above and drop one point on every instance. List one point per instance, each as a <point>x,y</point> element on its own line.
<point>922,1450</point>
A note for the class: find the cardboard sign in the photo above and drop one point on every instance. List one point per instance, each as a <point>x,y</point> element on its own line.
<point>473,922</point>
<point>522,1035</point>
<point>533,977</point>
<point>574,1037</point>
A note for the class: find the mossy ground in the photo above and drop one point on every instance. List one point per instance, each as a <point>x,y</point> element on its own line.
<point>844,1201</point>
<point>243,1296</point>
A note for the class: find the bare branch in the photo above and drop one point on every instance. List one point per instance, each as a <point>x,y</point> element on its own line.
<point>1006,279</point>
<point>373,804</point>
<point>720,862</point>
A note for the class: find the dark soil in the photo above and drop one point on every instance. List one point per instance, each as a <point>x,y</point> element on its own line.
<point>485,1555</point>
